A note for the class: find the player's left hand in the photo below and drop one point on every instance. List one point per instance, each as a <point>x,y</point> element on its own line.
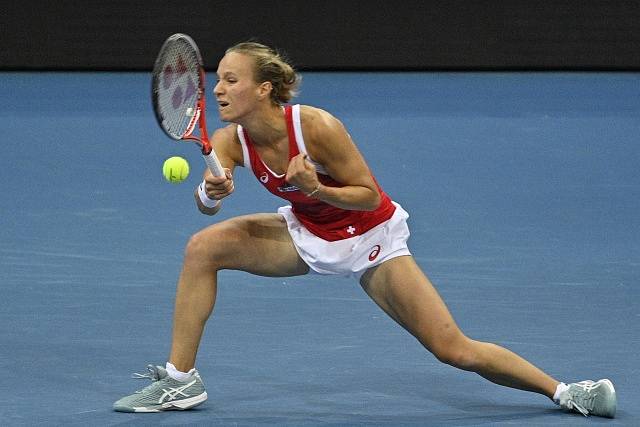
<point>302,174</point>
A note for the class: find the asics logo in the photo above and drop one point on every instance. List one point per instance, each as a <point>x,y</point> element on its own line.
<point>173,393</point>
<point>375,252</point>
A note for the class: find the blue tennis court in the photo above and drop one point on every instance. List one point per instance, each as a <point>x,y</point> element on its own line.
<point>523,191</point>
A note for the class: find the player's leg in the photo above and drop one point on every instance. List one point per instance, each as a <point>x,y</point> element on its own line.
<point>258,244</point>
<point>402,290</point>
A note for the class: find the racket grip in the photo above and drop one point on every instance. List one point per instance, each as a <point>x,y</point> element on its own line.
<point>213,163</point>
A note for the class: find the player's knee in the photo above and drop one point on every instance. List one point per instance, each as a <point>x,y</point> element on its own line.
<point>205,248</point>
<point>456,351</point>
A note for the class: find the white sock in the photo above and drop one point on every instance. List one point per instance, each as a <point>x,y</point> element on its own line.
<point>556,396</point>
<point>175,374</point>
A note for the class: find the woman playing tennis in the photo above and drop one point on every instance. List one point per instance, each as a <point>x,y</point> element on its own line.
<point>338,221</point>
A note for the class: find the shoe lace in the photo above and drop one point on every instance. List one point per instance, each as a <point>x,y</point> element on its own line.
<point>582,397</point>
<point>153,373</point>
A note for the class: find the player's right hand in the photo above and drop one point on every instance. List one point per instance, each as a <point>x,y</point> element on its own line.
<point>218,187</point>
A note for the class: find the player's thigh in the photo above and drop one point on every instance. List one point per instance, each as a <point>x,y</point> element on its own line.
<point>257,243</point>
<point>404,292</point>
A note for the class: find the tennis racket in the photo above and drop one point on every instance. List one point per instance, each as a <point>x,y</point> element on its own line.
<point>178,94</point>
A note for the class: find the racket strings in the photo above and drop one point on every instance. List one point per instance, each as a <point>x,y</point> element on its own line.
<point>176,77</point>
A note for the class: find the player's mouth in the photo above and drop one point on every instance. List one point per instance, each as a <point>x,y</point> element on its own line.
<point>222,104</point>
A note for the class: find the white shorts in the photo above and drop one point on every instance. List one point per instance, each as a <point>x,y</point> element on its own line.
<point>350,257</point>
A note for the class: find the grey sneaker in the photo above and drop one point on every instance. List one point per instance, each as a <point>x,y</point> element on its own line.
<point>590,398</point>
<point>164,393</point>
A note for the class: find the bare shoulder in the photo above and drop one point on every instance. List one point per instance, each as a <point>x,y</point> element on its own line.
<point>318,120</point>
<point>227,133</point>
<point>227,145</point>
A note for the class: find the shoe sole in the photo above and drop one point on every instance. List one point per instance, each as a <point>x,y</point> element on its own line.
<point>176,405</point>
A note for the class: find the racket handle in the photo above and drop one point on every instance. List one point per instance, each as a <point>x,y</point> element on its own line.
<point>213,163</point>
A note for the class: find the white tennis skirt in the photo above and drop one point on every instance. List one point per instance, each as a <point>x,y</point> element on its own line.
<point>350,257</point>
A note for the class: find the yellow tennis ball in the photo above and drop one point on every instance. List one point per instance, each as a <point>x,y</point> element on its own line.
<point>175,169</point>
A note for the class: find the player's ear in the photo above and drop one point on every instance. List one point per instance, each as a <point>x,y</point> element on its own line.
<point>264,90</point>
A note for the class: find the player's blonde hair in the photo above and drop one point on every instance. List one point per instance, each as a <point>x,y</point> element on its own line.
<point>272,67</point>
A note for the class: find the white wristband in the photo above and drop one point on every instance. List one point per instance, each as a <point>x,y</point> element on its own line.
<point>210,203</point>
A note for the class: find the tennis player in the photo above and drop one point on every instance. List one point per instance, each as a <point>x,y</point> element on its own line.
<point>338,222</point>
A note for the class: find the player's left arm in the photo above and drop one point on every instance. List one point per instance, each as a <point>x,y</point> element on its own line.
<point>329,144</point>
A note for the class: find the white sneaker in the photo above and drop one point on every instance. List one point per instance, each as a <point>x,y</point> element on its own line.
<point>164,393</point>
<point>590,398</point>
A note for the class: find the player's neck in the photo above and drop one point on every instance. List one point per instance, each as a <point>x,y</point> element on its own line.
<point>267,127</point>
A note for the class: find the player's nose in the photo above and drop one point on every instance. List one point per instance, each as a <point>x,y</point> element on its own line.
<point>217,89</point>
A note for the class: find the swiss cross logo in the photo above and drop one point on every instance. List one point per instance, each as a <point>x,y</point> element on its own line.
<point>351,229</point>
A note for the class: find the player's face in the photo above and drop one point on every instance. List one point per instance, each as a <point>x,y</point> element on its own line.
<point>236,91</point>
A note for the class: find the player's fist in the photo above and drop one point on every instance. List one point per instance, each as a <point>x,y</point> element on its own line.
<point>302,174</point>
<point>218,187</point>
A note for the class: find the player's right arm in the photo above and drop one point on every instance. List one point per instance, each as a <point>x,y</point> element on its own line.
<point>229,152</point>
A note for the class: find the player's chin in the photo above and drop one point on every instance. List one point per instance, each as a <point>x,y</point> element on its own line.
<point>224,114</point>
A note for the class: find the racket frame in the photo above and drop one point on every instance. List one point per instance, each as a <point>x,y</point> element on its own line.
<point>199,115</point>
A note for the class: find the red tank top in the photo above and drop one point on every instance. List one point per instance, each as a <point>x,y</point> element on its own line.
<point>322,219</point>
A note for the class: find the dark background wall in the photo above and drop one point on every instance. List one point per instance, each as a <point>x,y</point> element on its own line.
<point>328,34</point>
